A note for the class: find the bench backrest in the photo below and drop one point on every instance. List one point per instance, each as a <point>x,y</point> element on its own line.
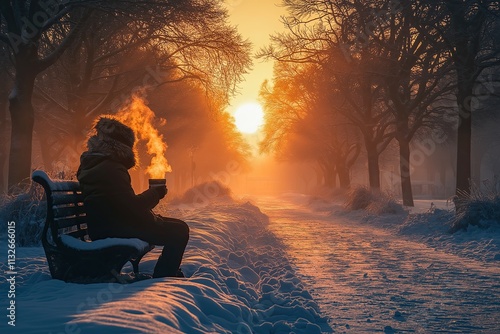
<point>65,209</point>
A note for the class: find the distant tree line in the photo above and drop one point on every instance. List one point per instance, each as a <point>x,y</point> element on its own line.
<point>64,62</point>
<point>367,73</point>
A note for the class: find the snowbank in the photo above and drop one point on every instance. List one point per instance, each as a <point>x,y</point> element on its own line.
<point>203,194</point>
<point>429,222</point>
<point>240,281</point>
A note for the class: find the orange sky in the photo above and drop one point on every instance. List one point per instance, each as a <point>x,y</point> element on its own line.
<point>255,20</point>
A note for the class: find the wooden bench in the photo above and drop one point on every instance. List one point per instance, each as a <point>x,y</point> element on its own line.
<point>71,255</point>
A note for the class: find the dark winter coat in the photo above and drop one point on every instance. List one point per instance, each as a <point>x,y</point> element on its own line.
<point>113,209</point>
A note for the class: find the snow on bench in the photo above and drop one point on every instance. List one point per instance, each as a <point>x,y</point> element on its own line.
<point>103,243</point>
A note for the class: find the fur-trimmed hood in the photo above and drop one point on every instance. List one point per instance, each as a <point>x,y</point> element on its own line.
<point>112,139</point>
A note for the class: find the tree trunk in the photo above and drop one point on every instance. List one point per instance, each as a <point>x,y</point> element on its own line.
<point>373,168</point>
<point>22,117</point>
<point>476,160</point>
<point>4,149</point>
<point>331,178</point>
<point>334,180</point>
<point>329,173</point>
<point>344,178</point>
<point>464,131</point>
<point>467,44</point>
<point>404,169</point>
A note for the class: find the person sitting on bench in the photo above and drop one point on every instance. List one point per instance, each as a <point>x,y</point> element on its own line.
<point>113,209</point>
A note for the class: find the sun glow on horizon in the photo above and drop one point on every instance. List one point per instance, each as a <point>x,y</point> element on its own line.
<point>249,117</point>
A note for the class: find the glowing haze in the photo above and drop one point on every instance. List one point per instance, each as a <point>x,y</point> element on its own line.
<point>140,118</point>
<point>249,117</point>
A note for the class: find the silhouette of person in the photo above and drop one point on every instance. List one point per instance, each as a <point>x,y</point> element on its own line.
<point>113,209</point>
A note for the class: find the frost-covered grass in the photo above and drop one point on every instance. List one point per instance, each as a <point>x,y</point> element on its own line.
<point>385,204</point>
<point>480,208</point>
<point>28,210</point>
<point>362,198</point>
<point>358,198</point>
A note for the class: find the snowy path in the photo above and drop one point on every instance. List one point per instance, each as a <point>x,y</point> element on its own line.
<point>368,280</point>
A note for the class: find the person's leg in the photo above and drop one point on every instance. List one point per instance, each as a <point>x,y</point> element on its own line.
<point>175,236</point>
<point>171,233</point>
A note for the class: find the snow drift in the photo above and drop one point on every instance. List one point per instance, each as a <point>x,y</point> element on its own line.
<point>239,281</point>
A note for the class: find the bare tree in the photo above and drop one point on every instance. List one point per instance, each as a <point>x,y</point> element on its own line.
<point>361,90</point>
<point>416,80</point>
<point>302,123</point>
<point>24,30</point>
<point>95,77</point>
<point>399,53</point>
<point>5,86</point>
<point>469,29</point>
<point>39,32</point>
<point>329,33</point>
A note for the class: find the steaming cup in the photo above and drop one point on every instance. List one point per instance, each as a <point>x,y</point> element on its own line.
<point>157,183</point>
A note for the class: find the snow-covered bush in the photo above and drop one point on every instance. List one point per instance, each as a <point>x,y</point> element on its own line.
<point>383,204</point>
<point>362,198</point>
<point>358,198</point>
<point>477,209</point>
<point>427,224</point>
<point>28,211</point>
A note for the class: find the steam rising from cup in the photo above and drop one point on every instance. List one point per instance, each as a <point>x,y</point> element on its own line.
<point>140,118</point>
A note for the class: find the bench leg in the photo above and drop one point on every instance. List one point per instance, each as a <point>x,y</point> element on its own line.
<point>135,263</point>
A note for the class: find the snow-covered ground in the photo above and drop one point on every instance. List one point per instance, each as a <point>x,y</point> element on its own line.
<point>311,267</point>
<point>239,281</point>
<point>391,273</point>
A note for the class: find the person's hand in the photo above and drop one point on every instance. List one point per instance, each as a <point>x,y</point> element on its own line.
<point>161,190</point>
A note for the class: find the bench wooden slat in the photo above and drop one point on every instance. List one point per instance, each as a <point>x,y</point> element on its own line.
<point>79,234</point>
<point>71,229</point>
<point>69,221</point>
<point>68,211</point>
<point>67,198</point>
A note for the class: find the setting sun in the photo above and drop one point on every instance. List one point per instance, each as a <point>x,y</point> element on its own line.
<point>249,117</point>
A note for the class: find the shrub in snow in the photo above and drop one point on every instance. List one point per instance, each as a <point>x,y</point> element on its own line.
<point>204,193</point>
<point>380,203</point>
<point>428,224</point>
<point>358,198</point>
<point>478,209</point>
<point>384,204</point>
<point>28,211</point>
